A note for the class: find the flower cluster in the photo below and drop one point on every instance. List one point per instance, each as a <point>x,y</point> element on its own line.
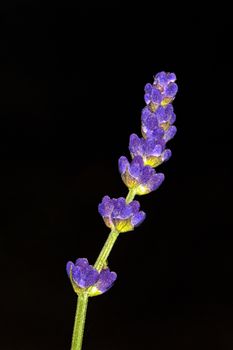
<point>120,216</point>
<point>85,277</point>
<point>152,151</point>
<point>162,91</point>
<point>138,176</point>
<point>158,124</point>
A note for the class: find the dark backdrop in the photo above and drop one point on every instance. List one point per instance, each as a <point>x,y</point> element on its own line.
<point>71,92</point>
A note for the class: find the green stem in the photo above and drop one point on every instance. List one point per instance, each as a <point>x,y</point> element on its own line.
<point>101,260</point>
<point>79,322</point>
<point>81,310</point>
<point>130,195</point>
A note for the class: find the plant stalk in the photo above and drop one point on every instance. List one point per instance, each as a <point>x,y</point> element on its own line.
<point>82,302</point>
<point>101,260</point>
<point>79,323</point>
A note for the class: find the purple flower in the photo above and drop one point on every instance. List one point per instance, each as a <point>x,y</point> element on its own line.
<point>153,96</point>
<point>119,215</point>
<point>142,178</point>
<point>106,280</point>
<point>162,92</point>
<point>156,124</point>
<point>170,133</point>
<point>149,119</point>
<point>162,79</point>
<point>148,88</point>
<point>171,90</point>
<point>84,276</point>
<point>170,115</point>
<point>152,152</point>
<point>150,125</point>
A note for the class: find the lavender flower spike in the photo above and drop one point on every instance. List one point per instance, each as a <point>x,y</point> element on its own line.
<point>83,276</point>
<point>138,177</point>
<point>123,214</point>
<point>120,216</point>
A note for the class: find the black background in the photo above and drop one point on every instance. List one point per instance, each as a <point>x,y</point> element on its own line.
<point>71,92</point>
